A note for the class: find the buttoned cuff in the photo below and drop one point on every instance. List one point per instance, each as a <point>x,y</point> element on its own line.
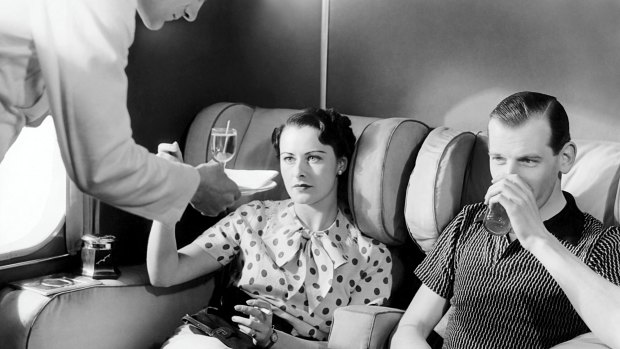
<point>37,112</point>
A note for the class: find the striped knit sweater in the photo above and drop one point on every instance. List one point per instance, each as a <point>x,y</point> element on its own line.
<point>501,295</point>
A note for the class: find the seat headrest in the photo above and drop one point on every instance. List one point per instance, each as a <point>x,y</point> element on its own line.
<point>437,188</point>
<point>385,155</point>
<point>379,171</point>
<point>254,150</point>
<point>594,180</point>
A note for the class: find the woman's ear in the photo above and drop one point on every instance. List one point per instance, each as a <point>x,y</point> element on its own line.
<point>568,154</point>
<point>342,164</point>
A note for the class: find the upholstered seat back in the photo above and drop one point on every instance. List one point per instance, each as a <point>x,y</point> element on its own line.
<point>379,171</point>
<point>594,180</point>
<point>451,171</point>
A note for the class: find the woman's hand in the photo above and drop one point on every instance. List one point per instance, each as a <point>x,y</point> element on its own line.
<point>258,324</point>
<point>170,151</point>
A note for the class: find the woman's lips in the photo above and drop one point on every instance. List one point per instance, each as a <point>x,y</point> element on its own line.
<point>302,186</point>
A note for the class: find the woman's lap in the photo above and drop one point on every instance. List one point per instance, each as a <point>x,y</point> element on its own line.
<point>186,337</point>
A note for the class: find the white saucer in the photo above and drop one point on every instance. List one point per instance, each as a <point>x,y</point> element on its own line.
<point>251,179</point>
<point>268,186</point>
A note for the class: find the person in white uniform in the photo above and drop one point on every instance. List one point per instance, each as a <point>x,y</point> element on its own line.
<point>67,58</point>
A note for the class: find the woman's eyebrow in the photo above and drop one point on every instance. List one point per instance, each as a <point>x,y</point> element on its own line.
<point>306,153</point>
<point>316,151</point>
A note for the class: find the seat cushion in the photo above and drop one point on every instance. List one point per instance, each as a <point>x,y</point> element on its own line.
<point>360,326</point>
<point>122,313</point>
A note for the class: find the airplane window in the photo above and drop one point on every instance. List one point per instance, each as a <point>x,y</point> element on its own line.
<point>33,191</point>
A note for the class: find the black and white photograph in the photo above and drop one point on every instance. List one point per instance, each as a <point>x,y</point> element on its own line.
<point>309,174</point>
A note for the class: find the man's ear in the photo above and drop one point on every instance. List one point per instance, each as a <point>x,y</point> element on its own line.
<point>568,154</point>
<point>343,162</point>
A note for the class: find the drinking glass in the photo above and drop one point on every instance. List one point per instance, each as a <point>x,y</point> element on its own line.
<point>223,144</point>
<point>496,219</point>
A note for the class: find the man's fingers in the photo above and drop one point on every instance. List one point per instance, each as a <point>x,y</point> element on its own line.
<point>216,191</point>
<point>523,187</point>
<point>513,188</point>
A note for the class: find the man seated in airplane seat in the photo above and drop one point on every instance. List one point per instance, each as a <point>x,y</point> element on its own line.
<point>299,258</point>
<point>553,277</point>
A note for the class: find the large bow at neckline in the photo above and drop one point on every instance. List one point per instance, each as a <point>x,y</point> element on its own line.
<point>315,255</point>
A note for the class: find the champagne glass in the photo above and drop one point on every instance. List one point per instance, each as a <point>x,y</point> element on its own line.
<point>223,144</point>
<point>496,219</point>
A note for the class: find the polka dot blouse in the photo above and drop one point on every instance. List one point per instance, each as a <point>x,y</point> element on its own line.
<point>305,275</point>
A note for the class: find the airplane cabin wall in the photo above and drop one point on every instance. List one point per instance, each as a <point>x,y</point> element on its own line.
<point>442,62</point>
<point>450,62</point>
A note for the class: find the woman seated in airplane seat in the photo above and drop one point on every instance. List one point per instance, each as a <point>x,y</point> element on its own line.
<point>299,258</point>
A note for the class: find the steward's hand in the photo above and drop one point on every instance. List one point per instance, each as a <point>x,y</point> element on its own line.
<point>216,191</point>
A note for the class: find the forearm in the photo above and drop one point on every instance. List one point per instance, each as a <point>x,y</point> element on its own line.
<point>408,336</point>
<point>424,312</point>
<point>162,258</point>
<point>594,298</point>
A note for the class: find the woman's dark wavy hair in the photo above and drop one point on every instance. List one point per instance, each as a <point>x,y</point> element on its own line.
<point>334,130</point>
<point>516,109</point>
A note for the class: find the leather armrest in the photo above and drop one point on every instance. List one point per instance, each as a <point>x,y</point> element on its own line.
<point>361,326</point>
<point>123,313</point>
<point>585,341</point>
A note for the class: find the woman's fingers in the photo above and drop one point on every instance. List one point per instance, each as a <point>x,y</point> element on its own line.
<point>172,149</point>
<point>252,311</point>
<point>257,319</point>
<point>167,156</point>
<point>259,303</point>
<point>252,328</point>
<point>258,323</point>
<point>249,331</point>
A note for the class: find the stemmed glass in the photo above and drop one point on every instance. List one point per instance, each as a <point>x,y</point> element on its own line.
<point>223,144</point>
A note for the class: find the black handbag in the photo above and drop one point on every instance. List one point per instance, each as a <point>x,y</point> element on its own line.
<point>215,320</point>
<point>212,324</point>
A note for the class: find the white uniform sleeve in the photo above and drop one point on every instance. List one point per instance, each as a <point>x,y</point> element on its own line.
<point>82,46</point>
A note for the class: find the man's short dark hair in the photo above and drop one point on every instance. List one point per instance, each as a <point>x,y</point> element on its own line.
<point>516,109</point>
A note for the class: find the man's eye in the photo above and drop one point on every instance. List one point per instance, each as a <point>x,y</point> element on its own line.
<point>497,158</point>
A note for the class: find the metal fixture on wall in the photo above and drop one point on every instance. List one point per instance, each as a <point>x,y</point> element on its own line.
<point>324,46</point>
